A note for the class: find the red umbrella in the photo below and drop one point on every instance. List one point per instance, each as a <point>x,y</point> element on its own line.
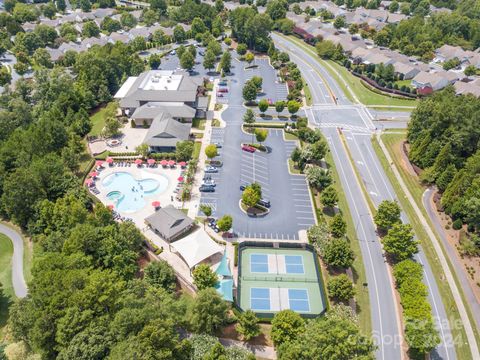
<point>98,163</point>
<point>109,160</point>
<point>155,204</point>
<point>93,174</point>
<point>182,163</point>
<point>151,161</point>
<point>89,182</point>
<point>110,206</point>
<point>180,179</point>
<point>164,162</point>
<point>171,162</point>
<point>138,162</point>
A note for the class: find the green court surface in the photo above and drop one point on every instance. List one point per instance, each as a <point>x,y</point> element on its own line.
<point>275,279</point>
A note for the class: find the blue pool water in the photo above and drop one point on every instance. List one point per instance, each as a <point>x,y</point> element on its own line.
<point>128,194</point>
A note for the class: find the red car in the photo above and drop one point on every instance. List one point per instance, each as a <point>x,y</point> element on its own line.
<point>248,148</point>
<point>223,90</point>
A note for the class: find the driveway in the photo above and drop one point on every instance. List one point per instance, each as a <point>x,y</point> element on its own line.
<point>18,279</point>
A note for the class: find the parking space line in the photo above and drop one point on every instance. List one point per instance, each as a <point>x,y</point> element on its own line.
<point>304,218</point>
<point>306,224</point>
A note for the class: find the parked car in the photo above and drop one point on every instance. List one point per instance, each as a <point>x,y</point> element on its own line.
<point>219,94</point>
<point>218,145</point>
<point>211,169</point>
<point>216,163</point>
<point>201,53</point>
<point>223,90</point>
<point>248,148</point>
<point>209,182</point>
<point>222,83</point>
<point>173,52</point>
<point>264,202</point>
<point>243,187</point>
<point>206,188</point>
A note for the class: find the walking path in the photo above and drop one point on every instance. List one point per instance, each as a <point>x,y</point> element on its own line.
<point>264,352</point>
<point>18,279</point>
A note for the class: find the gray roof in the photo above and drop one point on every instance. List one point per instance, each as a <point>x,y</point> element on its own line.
<point>151,109</point>
<point>169,221</point>
<point>166,132</point>
<point>55,54</point>
<point>186,92</point>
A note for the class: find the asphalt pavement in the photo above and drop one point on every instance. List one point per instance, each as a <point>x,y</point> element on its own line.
<point>18,280</point>
<point>357,122</point>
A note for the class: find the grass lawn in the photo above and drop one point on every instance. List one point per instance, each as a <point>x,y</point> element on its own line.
<point>98,119</point>
<point>342,76</point>
<point>290,136</point>
<point>391,141</point>
<point>308,94</point>
<point>215,123</point>
<point>293,168</point>
<point>196,150</point>
<point>198,124</point>
<point>403,82</point>
<point>6,252</point>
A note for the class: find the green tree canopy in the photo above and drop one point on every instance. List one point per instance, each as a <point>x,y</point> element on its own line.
<point>204,277</point>
<point>160,274</point>
<point>287,325</point>
<point>340,288</point>
<point>207,312</point>
<point>247,325</point>
<point>388,214</point>
<point>399,243</point>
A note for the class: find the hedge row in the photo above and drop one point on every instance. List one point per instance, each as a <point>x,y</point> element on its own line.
<point>265,125</point>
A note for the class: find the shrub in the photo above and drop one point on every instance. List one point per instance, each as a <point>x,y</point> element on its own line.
<point>457,224</point>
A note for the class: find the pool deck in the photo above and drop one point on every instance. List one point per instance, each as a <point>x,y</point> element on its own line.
<point>139,216</point>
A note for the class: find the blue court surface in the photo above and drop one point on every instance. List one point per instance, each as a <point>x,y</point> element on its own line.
<point>260,298</point>
<point>298,300</point>
<point>259,263</point>
<point>294,264</point>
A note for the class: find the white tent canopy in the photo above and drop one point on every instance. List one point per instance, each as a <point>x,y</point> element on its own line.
<point>196,247</point>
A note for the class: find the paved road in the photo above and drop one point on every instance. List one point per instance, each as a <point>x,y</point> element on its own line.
<point>356,121</point>
<point>18,280</point>
<point>457,265</point>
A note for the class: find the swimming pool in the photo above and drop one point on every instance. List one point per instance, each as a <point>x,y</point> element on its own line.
<point>128,194</point>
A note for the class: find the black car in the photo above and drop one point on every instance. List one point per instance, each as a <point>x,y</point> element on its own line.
<point>243,187</point>
<point>206,188</point>
<point>216,163</point>
<point>264,202</point>
<point>207,177</point>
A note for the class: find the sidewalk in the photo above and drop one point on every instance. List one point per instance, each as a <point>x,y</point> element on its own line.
<point>264,352</point>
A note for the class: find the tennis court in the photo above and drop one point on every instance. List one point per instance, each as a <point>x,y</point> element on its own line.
<point>275,279</point>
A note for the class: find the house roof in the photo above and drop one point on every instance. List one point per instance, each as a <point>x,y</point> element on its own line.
<point>148,87</point>
<point>404,69</point>
<point>166,132</point>
<point>196,247</point>
<point>169,221</point>
<point>463,88</point>
<point>425,78</point>
<point>151,109</point>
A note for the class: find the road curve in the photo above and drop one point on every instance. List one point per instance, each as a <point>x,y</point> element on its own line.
<point>458,267</point>
<point>18,280</point>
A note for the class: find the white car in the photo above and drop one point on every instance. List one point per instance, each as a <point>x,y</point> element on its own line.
<point>209,182</point>
<point>173,52</point>
<point>211,169</point>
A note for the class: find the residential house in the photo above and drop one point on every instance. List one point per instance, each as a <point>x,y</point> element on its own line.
<point>464,88</point>
<point>406,71</point>
<point>377,58</point>
<point>426,83</point>
<point>169,222</point>
<point>179,111</point>
<point>394,18</point>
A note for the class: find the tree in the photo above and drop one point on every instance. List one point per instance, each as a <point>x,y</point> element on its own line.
<point>318,177</point>
<point>339,22</point>
<point>338,254</point>
<point>226,62</point>
<point>184,150</point>
<point>161,274</point>
<point>127,20</point>
<point>249,57</point>
<point>187,61</point>
<point>215,47</point>
<point>333,336</point>
<point>192,50</point>
<point>277,9</point>
<point>340,288</point>
<point>90,29</point>
<point>225,223</point>
<point>241,49</point>
<point>393,7</point>
<point>207,210</point>
<point>179,34</point>
<point>211,151</point>
<point>219,6</point>
<point>287,325</point>
<point>110,25</point>
<point>325,49</point>
<point>249,92</point>
<point>263,105</point>
<point>407,270</point>
<point>143,150</point>
<point>247,325</point>
<point>5,77</point>
<point>209,60</point>
<point>470,70</point>
<point>208,312</point>
<point>198,26</point>
<point>261,135</point>
<point>154,61</point>
<point>159,5</point>
<point>42,58</point>
<point>421,336</point>
<point>329,197</point>
<point>293,106</point>
<point>279,106</point>
<point>61,6</point>
<point>338,226</point>
<point>112,127</point>
<point>204,277</point>
<point>250,197</point>
<point>388,213</point>
<point>399,243</point>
